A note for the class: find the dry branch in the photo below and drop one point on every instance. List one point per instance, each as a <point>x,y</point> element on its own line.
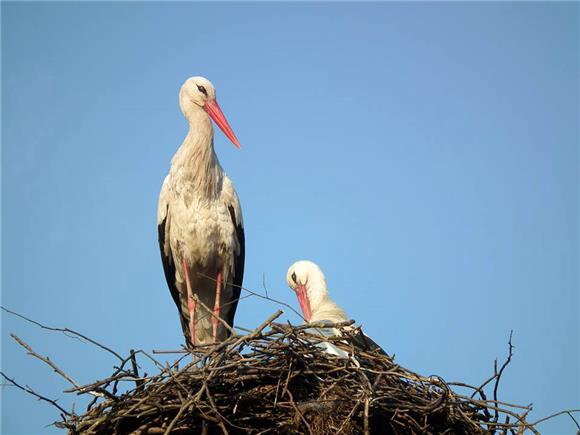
<point>66,331</point>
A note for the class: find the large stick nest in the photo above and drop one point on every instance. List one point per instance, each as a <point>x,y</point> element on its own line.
<point>277,379</point>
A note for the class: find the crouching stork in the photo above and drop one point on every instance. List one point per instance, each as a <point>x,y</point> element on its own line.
<point>309,284</point>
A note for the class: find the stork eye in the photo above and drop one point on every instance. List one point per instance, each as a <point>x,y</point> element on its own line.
<point>294,277</point>
<point>202,90</point>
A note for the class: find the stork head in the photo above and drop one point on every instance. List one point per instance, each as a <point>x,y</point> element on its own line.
<point>309,283</point>
<point>198,93</point>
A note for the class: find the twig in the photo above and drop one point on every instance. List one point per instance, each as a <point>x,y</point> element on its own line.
<point>47,361</point>
<point>177,417</point>
<point>264,284</point>
<point>567,411</point>
<point>44,359</point>
<point>298,412</point>
<point>138,382</point>
<point>65,331</point>
<point>290,307</point>
<point>253,293</point>
<point>34,393</point>
<point>161,351</point>
<point>498,377</point>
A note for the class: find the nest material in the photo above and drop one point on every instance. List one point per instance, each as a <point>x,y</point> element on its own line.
<point>277,380</point>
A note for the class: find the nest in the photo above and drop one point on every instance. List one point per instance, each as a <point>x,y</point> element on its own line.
<point>278,379</point>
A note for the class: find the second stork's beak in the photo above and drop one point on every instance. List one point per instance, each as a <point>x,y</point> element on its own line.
<point>213,110</point>
<point>304,301</point>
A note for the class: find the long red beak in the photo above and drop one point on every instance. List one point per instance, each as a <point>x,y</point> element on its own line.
<point>213,110</point>
<point>304,302</point>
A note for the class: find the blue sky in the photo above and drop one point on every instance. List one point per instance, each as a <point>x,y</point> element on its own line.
<point>424,154</point>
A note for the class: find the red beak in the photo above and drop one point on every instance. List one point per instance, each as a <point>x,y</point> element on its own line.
<point>213,110</point>
<point>304,301</point>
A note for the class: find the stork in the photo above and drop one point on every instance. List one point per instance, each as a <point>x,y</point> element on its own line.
<point>199,220</point>
<point>309,284</point>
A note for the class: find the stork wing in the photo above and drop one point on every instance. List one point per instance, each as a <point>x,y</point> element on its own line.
<point>163,224</point>
<point>365,343</point>
<point>328,346</point>
<point>356,338</point>
<point>230,198</point>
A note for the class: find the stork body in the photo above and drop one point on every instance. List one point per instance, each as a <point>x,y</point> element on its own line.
<point>200,225</point>
<point>309,283</point>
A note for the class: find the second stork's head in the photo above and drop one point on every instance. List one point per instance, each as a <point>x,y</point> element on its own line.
<point>309,284</point>
<point>197,96</point>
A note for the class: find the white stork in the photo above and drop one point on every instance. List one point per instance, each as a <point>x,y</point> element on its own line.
<point>201,234</point>
<point>309,284</point>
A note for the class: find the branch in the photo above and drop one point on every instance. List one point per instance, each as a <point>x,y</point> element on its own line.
<point>47,361</point>
<point>29,390</point>
<point>65,331</point>
<point>498,374</point>
<point>568,411</point>
<point>253,293</point>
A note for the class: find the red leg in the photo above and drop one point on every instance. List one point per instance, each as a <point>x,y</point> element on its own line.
<point>217,306</point>
<point>190,303</point>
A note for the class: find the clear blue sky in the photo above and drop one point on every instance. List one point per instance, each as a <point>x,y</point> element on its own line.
<point>425,154</point>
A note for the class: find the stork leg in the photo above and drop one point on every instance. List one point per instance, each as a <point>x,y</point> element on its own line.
<point>191,303</point>
<point>217,306</point>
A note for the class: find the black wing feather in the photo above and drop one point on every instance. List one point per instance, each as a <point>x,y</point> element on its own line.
<point>238,268</point>
<point>365,343</point>
<point>169,269</point>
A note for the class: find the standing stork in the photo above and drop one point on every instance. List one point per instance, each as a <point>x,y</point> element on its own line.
<point>309,284</point>
<point>201,234</point>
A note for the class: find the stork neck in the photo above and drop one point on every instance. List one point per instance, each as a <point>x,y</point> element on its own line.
<point>326,309</point>
<point>196,163</point>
